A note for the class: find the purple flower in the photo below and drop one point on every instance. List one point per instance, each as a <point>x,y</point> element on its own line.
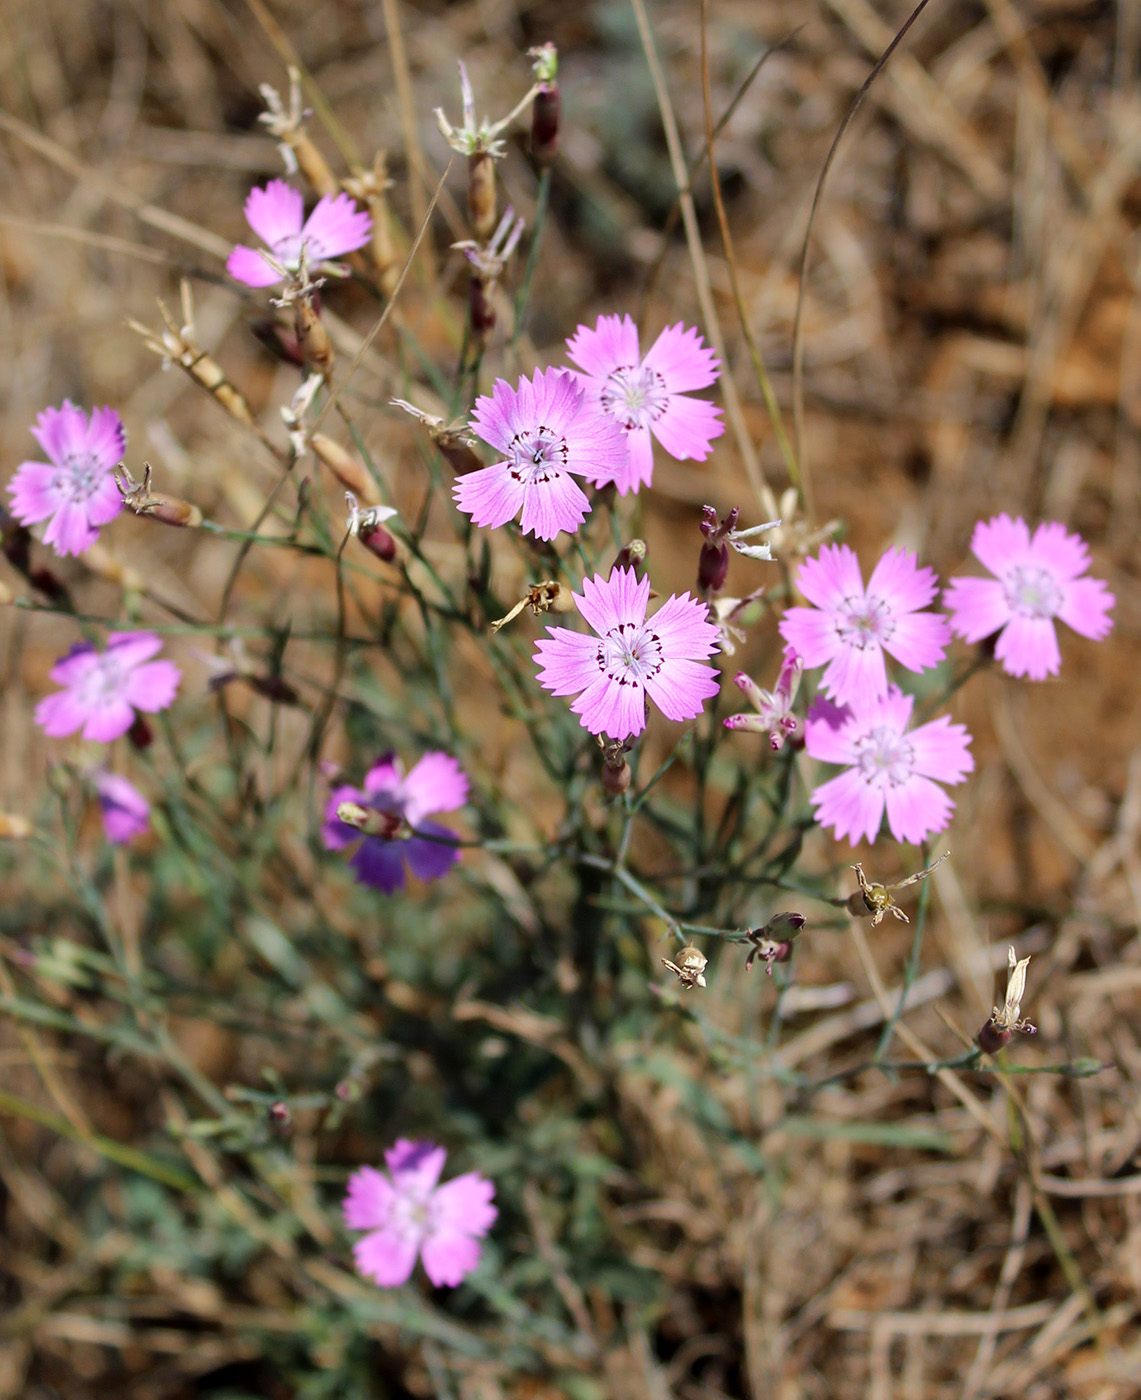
<point>74,490</point>
<point>851,627</point>
<point>547,432</point>
<point>275,214</point>
<point>649,396</point>
<point>436,784</point>
<point>103,689</point>
<point>774,715</point>
<point>632,657</point>
<point>408,1214</point>
<point>888,767</point>
<point>125,810</point>
<point>1036,579</point>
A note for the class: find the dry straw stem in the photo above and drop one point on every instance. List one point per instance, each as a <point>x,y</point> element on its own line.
<point>700,268</point>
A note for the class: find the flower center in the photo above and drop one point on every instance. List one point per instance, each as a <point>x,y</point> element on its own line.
<point>103,682</point>
<point>885,758</point>
<point>636,396</point>
<point>78,477</point>
<point>1032,592</point>
<point>864,622</point>
<point>411,1217</point>
<point>538,455</point>
<point>287,250</point>
<point>630,654</point>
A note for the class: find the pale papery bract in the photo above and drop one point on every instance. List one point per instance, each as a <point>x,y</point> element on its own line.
<point>74,490</point>
<point>103,689</point>
<point>436,783</point>
<point>549,434</point>
<point>126,812</point>
<point>889,768</point>
<point>849,627</point>
<point>632,658</point>
<point>650,396</point>
<point>1037,580</point>
<point>276,213</point>
<point>408,1214</point>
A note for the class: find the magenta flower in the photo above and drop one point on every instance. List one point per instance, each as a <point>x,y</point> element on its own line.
<point>336,226</point>
<point>649,397</point>
<point>408,1214</point>
<point>851,627</point>
<point>888,767</point>
<point>103,689</point>
<point>548,434</point>
<point>126,812</point>
<point>774,715</point>
<point>436,784</point>
<point>74,490</point>
<point>1036,579</point>
<point>632,658</point>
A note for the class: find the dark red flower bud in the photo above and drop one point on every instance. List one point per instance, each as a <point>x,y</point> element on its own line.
<point>545,125</point>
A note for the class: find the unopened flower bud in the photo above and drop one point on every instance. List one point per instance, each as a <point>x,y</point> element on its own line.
<point>141,735</point>
<point>712,568</point>
<point>280,1119</point>
<point>379,542</point>
<point>630,556</point>
<point>345,467</point>
<point>545,125</point>
<point>481,195</point>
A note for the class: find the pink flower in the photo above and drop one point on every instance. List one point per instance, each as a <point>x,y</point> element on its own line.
<point>1036,579</point>
<point>851,627</point>
<point>407,1214</point>
<point>888,767</point>
<point>126,811</point>
<point>774,715</point>
<point>436,784</point>
<point>275,214</point>
<point>547,432</point>
<point>103,689</point>
<point>649,396</point>
<point>74,490</point>
<point>632,658</point>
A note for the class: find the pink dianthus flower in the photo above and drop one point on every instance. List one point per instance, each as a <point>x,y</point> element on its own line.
<point>889,767</point>
<point>436,783</point>
<point>74,490</point>
<point>649,396</point>
<point>408,1214</point>
<point>126,812</point>
<point>850,627</point>
<point>548,433</point>
<point>103,689</point>
<point>336,226</point>
<point>1037,578</point>
<point>633,658</point>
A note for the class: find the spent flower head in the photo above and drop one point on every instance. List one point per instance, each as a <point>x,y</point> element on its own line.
<point>689,967</point>
<point>490,258</point>
<point>474,137</point>
<point>549,434</point>
<point>408,1214</point>
<point>1037,579</point>
<point>850,627</point>
<point>1006,1019</point>
<point>632,659</point>
<point>773,943</point>
<point>889,767</point>
<point>774,715</point>
<point>101,690</point>
<point>74,490</point>
<point>436,783</point>
<point>277,215</point>
<point>650,396</point>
